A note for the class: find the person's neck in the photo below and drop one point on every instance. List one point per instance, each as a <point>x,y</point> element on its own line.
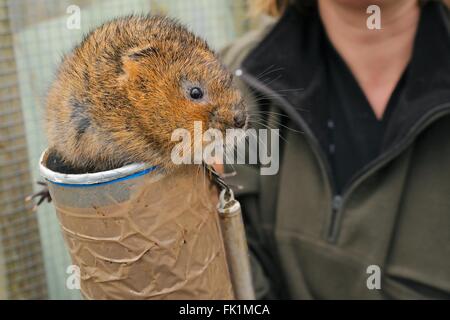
<point>377,58</point>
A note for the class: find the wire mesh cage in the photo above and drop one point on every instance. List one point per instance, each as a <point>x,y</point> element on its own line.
<point>21,263</point>
<point>34,262</point>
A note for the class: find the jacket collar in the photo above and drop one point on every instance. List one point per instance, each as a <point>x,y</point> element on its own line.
<point>294,68</point>
<point>289,57</point>
<point>428,79</point>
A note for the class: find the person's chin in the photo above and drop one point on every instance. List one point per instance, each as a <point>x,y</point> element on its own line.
<point>362,3</point>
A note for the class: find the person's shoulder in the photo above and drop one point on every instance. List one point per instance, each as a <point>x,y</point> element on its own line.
<point>233,54</point>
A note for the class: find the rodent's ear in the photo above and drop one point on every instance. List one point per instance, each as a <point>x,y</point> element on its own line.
<point>133,56</point>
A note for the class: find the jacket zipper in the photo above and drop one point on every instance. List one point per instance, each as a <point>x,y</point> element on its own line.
<point>336,206</point>
<point>437,112</point>
<point>338,201</point>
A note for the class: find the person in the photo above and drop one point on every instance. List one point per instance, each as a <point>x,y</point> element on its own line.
<point>360,206</point>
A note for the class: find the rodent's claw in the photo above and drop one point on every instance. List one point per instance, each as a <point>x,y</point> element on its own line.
<point>228,174</point>
<point>42,195</point>
<point>215,176</point>
<point>218,178</point>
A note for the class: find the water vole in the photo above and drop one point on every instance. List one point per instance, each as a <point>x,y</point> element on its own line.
<point>120,94</point>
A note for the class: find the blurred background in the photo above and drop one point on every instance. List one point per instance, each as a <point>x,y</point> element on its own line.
<point>33,36</point>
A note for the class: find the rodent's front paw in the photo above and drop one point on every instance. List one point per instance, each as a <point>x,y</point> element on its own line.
<point>41,195</point>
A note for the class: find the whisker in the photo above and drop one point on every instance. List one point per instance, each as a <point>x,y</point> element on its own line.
<point>276,123</point>
<point>267,71</point>
<point>268,113</point>
<point>267,127</point>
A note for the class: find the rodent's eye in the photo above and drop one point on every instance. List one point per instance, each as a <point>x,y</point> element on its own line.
<point>196,93</point>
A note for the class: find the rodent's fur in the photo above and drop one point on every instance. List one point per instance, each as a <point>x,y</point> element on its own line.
<point>119,95</point>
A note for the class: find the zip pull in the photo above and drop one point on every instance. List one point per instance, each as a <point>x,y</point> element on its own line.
<point>336,205</point>
<point>337,202</point>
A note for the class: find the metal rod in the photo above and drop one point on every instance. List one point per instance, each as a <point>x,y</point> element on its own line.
<point>235,242</point>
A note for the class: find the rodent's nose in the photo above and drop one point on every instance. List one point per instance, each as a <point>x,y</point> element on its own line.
<point>240,119</point>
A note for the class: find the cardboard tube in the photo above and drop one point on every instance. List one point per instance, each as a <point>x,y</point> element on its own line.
<point>235,245</point>
<point>144,236</point>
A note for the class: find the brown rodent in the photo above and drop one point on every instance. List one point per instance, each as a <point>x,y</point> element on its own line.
<point>120,94</point>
